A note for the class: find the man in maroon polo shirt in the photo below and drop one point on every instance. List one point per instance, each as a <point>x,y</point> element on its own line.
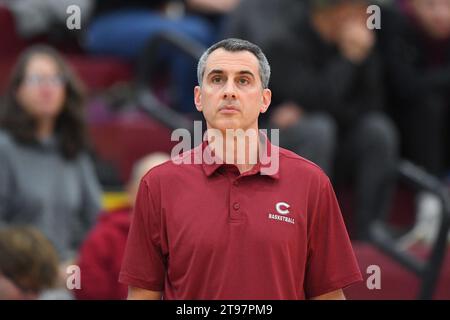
<point>233,229</point>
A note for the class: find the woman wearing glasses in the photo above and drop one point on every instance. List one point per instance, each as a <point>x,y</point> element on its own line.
<point>46,177</point>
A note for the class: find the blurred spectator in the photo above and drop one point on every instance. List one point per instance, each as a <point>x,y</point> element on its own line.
<point>416,44</point>
<point>310,135</point>
<point>416,36</point>
<point>46,176</point>
<point>329,64</point>
<point>212,7</point>
<point>36,17</point>
<point>100,257</point>
<point>216,11</point>
<point>28,263</point>
<point>124,27</point>
<point>249,19</point>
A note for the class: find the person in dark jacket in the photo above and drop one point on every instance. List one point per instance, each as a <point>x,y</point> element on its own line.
<point>415,38</point>
<point>416,42</point>
<point>330,65</point>
<point>313,137</point>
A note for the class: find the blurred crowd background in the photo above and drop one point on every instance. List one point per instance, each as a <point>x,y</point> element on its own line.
<point>86,112</point>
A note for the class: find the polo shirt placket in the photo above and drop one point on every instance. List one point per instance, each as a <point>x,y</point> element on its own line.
<point>236,210</point>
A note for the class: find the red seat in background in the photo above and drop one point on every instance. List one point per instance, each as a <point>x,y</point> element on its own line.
<point>10,41</point>
<point>397,283</point>
<point>10,45</point>
<point>97,73</point>
<point>124,140</point>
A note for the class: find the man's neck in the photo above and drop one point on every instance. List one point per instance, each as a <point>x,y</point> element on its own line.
<point>238,149</point>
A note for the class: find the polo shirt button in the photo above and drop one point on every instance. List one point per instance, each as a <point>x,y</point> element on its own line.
<point>236,206</point>
<point>235,183</point>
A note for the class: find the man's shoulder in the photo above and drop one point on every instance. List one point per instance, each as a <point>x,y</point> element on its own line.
<point>174,167</point>
<point>294,165</point>
<point>162,169</point>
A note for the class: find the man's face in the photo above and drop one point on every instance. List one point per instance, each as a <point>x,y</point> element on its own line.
<point>231,95</point>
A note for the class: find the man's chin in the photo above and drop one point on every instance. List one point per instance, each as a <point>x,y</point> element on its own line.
<point>224,124</point>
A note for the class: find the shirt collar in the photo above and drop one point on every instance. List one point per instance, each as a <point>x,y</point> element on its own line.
<point>209,166</point>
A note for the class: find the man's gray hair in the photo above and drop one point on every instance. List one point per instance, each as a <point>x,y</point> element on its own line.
<point>236,45</point>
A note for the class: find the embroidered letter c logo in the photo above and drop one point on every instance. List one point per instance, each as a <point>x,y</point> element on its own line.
<point>282,207</point>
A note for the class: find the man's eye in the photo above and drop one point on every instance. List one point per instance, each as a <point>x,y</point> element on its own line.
<point>243,81</point>
<point>216,79</point>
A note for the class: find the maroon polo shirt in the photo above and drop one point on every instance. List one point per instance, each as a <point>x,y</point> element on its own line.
<point>205,231</point>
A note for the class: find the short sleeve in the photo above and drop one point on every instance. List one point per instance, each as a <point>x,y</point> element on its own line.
<point>331,263</point>
<point>144,265</point>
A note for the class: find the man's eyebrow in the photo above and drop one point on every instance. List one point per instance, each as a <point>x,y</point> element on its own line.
<point>215,71</point>
<point>219,71</point>
<point>247,72</point>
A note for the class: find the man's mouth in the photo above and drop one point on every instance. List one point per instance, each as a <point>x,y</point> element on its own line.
<point>228,109</point>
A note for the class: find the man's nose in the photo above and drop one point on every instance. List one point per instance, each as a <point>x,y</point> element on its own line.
<point>229,91</point>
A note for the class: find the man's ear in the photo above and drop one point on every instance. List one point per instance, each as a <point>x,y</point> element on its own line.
<point>198,98</point>
<point>266,99</point>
